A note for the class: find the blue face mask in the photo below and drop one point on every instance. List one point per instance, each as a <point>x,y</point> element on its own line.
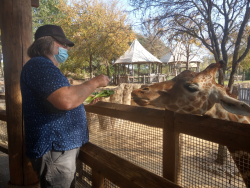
<point>62,56</point>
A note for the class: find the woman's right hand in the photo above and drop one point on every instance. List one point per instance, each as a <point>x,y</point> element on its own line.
<point>102,80</point>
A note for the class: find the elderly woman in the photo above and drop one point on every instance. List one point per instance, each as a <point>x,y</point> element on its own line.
<point>54,116</point>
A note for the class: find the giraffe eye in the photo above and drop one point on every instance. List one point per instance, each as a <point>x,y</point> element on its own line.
<point>191,87</point>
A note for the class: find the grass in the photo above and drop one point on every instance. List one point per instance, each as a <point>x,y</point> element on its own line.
<point>236,82</point>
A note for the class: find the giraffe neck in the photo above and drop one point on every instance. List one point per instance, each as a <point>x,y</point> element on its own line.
<point>217,111</point>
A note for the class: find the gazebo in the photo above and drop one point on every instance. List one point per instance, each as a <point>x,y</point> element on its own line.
<point>137,54</point>
<point>177,60</point>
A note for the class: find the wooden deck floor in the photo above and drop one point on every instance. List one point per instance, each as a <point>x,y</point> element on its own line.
<point>4,170</point>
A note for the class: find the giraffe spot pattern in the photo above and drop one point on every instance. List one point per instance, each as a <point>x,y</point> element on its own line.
<point>47,127</point>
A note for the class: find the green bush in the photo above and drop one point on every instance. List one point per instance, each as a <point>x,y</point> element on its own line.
<point>247,75</point>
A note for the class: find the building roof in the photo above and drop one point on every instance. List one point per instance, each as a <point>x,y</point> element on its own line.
<point>179,56</point>
<point>137,54</point>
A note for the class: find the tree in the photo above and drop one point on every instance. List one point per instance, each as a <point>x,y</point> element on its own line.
<point>210,21</point>
<point>46,13</point>
<point>245,63</point>
<point>151,41</point>
<point>98,29</point>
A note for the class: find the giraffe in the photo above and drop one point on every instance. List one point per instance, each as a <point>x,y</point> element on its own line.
<point>199,94</point>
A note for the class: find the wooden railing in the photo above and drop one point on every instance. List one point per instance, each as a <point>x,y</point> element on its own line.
<point>145,79</point>
<point>122,172</point>
<point>231,134</point>
<point>107,165</point>
<point>2,95</point>
<point>244,94</point>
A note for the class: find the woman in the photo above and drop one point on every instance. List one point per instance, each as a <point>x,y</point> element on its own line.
<point>54,117</point>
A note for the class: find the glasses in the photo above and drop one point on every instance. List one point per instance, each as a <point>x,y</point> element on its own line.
<point>63,45</point>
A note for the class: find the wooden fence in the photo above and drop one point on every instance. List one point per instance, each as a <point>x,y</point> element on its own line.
<point>143,79</point>
<point>244,94</point>
<point>124,174</point>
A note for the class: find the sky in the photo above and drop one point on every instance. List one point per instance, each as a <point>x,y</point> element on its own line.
<point>134,18</point>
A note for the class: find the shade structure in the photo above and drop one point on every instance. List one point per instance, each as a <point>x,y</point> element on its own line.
<point>137,54</point>
<point>179,56</point>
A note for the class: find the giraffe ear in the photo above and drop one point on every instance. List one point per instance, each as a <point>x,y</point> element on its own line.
<point>235,106</point>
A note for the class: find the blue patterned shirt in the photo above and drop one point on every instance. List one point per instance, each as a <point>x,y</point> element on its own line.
<point>47,127</point>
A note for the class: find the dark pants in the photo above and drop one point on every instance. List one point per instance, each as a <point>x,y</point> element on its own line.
<point>56,169</point>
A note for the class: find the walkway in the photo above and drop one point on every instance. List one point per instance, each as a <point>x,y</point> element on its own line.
<point>4,170</point>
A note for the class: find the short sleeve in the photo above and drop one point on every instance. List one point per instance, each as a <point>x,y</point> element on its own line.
<point>43,77</point>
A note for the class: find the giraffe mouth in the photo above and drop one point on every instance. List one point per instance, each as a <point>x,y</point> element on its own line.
<point>138,98</point>
<point>140,101</point>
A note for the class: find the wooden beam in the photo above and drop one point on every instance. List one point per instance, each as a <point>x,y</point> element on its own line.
<point>16,36</point>
<point>2,95</point>
<point>120,171</point>
<point>1,17</point>
<point>147,116</point>
<point>3,115</point>
<point>3,148</point>
<point>223,132</point>
<point>35,3</point>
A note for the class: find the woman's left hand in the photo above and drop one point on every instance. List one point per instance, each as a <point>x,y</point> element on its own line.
<point>93,102</point>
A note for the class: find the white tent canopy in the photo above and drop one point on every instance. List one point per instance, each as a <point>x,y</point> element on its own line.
<point>179,56</point>
<point>137,54</point>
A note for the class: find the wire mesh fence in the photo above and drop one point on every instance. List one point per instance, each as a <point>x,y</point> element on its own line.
<point>83,175</point>
<point>142,145</point>
<point>199,168</point>
<point>3,133</point>
<point>137,143</point>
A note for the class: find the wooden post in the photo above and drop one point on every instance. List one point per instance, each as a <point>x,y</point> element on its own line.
<point>16,36</point>
<point>144,78</point>
<point>149,69</point>
<point>138,73</point>
<point>198,66</point>
<point>133,73</point>
<point>170,148</point>
<point>115,74</point>
<point>97,179</point>
<point>35,3</point>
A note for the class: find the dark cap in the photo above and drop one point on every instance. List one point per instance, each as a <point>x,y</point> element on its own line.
<point>55,31</point>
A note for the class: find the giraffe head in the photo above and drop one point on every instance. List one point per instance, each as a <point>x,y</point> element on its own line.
<point>191,93</point>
